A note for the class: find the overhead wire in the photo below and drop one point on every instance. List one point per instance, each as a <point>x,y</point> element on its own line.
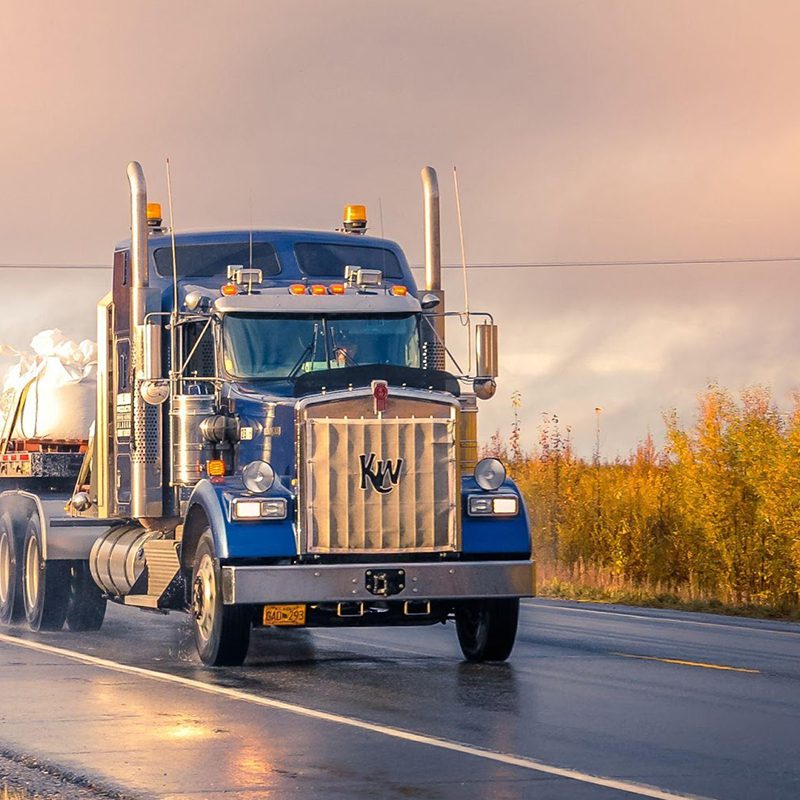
<point>658,262</point>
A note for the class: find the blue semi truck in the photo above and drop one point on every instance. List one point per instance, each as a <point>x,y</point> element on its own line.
<point>277,441</point>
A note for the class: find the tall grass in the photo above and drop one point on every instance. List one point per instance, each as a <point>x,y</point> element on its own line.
<point>713,515</point>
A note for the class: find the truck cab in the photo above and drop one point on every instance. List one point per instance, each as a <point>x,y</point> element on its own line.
<point>279,442</point>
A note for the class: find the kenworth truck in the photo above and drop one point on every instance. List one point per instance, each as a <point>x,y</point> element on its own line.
<point>276,442</point>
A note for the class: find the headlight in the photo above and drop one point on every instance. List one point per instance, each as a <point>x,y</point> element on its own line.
<point>490,474</point>
<point>258,477</point>
<point>481,505</point>
<point>251,508</point>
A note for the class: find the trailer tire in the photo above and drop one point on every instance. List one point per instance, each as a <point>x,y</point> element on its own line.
<point>487,629</point>
<point>11,609</point>
<point>221,633</point>
<point>45,584</point>
<point>86,607</point>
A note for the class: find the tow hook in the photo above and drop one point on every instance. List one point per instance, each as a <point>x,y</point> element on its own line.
<point>385,582</point>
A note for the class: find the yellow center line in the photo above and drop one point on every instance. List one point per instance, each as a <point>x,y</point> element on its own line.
<point>683,663</point>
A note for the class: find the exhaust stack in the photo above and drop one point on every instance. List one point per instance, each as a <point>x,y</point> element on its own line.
<point>433,265</point>
<point>146,475</point>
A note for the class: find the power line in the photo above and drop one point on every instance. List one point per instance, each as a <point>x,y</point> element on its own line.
<point>664,262</point>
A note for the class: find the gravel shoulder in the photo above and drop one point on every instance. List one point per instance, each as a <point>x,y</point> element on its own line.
<point>24,777</point>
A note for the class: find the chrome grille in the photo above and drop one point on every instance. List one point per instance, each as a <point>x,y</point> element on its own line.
<point>380,485</point>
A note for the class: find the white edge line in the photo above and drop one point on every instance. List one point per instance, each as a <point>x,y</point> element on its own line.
<point>731,627</point>
<point>640,789</point>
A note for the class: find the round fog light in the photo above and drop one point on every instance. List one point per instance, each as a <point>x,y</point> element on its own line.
<point>258,477</point>
<point>490,474</point>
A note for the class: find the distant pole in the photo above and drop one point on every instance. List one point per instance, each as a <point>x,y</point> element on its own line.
<point>597,412</point>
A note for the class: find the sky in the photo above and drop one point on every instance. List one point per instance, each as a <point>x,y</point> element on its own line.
<point>598,130</point>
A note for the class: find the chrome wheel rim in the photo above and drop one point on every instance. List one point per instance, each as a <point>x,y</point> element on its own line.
<point>6,568</point>
<point>32,569</point>
<point>205,595</point>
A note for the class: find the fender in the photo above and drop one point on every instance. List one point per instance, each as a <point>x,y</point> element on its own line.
<point>249,539</point>
<point>494,535</point>
<point>64,538</point>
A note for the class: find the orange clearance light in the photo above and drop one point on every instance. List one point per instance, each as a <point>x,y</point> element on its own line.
<point>336,288</point>
<point>154,215</point>
<point>400,291</point>
<point>229,289</point>
<point>318,288</point>
<point>297,288</point>
<point>215,468</point>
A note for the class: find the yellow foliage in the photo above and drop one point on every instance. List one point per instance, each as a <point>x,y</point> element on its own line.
<point>715,514</point>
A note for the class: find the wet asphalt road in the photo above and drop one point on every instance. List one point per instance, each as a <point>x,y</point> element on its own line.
<point>696,705</point>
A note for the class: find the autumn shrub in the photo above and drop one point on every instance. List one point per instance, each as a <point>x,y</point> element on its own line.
<point>713,515</point>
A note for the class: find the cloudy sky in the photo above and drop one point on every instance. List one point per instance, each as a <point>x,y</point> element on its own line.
<point>595,130</point>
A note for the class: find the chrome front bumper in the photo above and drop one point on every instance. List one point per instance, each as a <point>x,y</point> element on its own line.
<point>340,583</point>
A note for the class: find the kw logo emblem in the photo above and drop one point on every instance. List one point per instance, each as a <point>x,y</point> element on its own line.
<point>377,473</point>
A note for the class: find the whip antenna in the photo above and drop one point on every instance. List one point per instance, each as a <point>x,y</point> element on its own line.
<point>174,318</point>
<point>465,319</point>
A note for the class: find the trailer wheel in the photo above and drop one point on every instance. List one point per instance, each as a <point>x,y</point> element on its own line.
<point>45,584</point>
<point>86,607</point>
<point>487,628</point>
<point>221,633</point>
<point>11,609</point>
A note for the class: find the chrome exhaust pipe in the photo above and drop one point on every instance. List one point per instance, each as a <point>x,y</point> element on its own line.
<point>433,262</point>
<point>140,269</point>
<point>146,434</point>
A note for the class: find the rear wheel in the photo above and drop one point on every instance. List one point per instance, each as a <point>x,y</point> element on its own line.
<point>45,584</point>
<point>487,628</point>
<point>86,607</point>
<point>221,633</point>
<point>11,609</point>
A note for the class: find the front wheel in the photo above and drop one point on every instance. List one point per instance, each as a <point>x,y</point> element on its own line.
<point>45,584</point>
<point>487,628</point>
<point>221,633</point>
<point>10,574</point>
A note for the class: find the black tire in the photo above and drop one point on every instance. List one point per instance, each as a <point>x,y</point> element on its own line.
<point>487,628</point>
<point>86,607</point>
<point>221,633</point>
<point>11,609</point>
<point>45,584</point>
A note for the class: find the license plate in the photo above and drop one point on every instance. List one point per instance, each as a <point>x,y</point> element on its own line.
<point>285,615</point>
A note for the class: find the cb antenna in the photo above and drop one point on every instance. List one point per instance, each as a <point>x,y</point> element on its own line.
<point>465,320</point>
<point>174,358</point>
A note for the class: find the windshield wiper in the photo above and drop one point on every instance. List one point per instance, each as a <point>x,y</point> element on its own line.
<point>311,348</point>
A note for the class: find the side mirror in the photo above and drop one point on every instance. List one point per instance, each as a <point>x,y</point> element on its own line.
<point>486,351</point>
<point>429,301</point>
<point>151,347</point>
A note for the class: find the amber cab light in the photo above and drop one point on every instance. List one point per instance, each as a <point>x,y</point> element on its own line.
<point>215,467</point>
<point>318,288</point>
<point>297,288</point>
<point>400,291</point>
<point>336,288</point>
<point>229,289</point>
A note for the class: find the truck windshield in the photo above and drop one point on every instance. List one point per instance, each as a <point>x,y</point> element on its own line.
<point>283,347</point>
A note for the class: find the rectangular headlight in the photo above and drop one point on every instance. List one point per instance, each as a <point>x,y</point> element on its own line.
<point>274,508</point>
<point>487,505</point>
<point>254,508</point>
<point>246,509</point>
